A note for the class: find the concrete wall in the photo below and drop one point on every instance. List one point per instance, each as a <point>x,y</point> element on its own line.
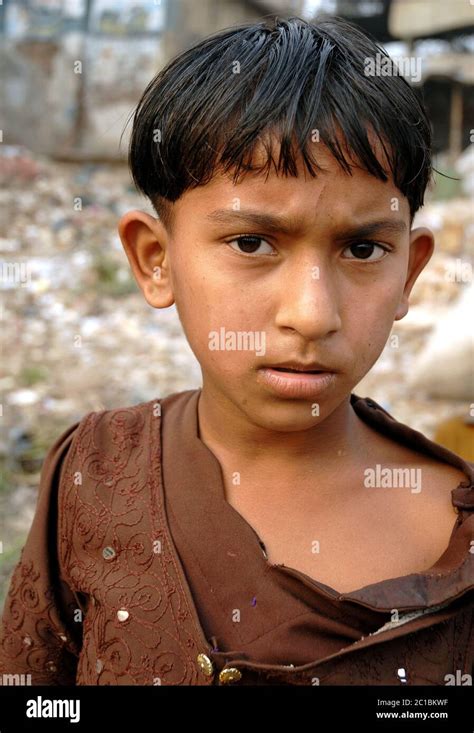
<point>71,95</point>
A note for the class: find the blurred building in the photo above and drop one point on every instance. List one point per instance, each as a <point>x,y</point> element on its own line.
<point>74,69</point>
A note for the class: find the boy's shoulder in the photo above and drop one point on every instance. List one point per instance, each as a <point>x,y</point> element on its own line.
<point>125,416</point>
<point>120,428</point>
<point>151,406</point>
<point>396,443</point>
<point>431,481</point>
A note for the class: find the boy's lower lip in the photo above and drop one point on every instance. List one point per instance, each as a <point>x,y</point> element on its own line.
<point>296,384</point>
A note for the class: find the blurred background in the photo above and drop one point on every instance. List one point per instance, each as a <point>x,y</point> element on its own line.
<point>77,334</point>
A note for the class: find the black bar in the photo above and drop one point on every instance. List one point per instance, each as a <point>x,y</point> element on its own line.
<point>136,709</point>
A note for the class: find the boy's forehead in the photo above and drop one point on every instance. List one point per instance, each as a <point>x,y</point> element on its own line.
<point>333,194</point>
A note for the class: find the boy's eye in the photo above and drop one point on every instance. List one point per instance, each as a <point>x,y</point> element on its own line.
<point>365,251</point>
<point>249,244</point>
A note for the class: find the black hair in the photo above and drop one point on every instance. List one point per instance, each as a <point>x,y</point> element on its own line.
<point>198,115</point>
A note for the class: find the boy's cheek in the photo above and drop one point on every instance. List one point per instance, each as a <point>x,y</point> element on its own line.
<point>368,328</point>
<point>378,306</point>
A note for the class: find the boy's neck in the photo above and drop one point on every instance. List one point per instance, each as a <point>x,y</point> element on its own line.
<point>229,434</point>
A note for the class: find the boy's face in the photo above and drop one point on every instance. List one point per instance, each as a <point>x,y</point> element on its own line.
<point>305,294</point>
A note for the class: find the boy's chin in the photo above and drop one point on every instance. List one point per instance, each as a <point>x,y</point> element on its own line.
<point>285,416</point>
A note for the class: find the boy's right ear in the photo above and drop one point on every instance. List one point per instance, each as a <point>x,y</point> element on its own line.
<point>145,241</point>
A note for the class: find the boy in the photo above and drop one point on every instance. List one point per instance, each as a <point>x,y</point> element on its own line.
<point>272,526</point>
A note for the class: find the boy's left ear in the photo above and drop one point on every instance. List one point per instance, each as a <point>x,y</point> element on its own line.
<point>421,249</point>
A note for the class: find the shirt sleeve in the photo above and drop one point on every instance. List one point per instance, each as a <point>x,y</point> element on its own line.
<point>41,629</point>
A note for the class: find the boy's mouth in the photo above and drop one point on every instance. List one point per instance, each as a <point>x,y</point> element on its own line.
<point>304,371</point>
<point>296,380</point>
<point>314,368</point>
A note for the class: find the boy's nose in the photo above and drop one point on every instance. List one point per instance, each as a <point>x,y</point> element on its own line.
<point>308,302</point>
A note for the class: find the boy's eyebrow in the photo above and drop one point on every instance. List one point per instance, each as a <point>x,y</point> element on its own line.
<point>285,225</point>
<point>270,222</point>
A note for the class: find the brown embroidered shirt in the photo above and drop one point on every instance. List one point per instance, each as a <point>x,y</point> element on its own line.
<point>135,566</point>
